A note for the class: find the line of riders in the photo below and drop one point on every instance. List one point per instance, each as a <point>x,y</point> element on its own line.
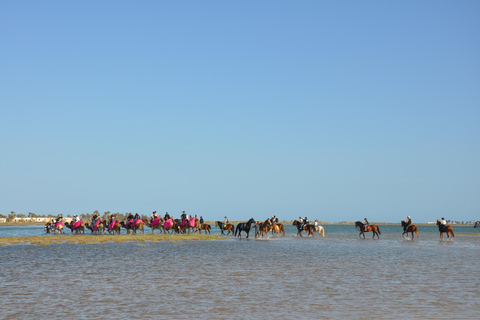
<point>134,223</point>
<point>185,223</point>
<point>168,223</point>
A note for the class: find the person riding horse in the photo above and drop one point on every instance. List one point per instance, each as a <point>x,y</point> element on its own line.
<point>167,216</point>
<point>305,223</point>
<point>408,223</point>
<point>154,216</point>
<point>443,222</point>
<point>367,224</point>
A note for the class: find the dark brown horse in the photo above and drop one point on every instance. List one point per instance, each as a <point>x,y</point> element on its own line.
<point>411,228</point>
<point>372,227</point>
<point>445,229</point>
<point>310,228</point>
<point>225,227</point>
<point>78,229</point>
<point>205,227</point>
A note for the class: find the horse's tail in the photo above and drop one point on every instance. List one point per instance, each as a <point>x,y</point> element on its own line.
<point>453,234</point>
<point>378,230</point>
<point>283,230</point>
<point>323,232</point>
<point>236,229</point>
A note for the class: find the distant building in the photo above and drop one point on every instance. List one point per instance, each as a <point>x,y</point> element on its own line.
<point>3,220</point>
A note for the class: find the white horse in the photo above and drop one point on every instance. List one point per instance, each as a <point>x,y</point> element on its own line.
<point>320,229</point>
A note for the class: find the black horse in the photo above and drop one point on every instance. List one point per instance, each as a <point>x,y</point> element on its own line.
<point>220,225</point>
<point>244,226</point>
<point>477,225</point>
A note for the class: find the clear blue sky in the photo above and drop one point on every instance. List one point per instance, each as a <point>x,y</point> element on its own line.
<point>336,110</point>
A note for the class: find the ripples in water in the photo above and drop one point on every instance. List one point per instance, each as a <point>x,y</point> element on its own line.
<point>280,278</point>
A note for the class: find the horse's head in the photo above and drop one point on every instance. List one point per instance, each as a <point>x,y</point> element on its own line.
<point>438,222</point>
<point>251,221</point>
<point>358,224</point>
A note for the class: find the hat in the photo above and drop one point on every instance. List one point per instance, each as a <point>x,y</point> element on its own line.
<point>408,217</point>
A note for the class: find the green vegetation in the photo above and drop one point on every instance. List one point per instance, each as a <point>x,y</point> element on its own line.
<point>43,240</point>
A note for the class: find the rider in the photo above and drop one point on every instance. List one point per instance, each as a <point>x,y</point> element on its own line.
<point>408,223</point>
<point>59,218</point>
<point>137,216</point>
<point>305,221</point>
<point>443,222</point>
<point>367,224</point>
<point>167,216</point>
<point>112,219</point>
<point>201,221</point>
<point>154,216</point>
<point>225,222</point>
<point>184,215</point>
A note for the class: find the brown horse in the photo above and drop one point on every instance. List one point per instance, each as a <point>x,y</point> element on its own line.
<point>133,228</point>
<point>280,228</point>
<point>264,228</point>
<point>445,229</point>
<point>158,226</point>
<point>116,227</point>
<point>100,228</point>
<point>310,228</point>
<point>78,229</point>
<point>205,227</point>
<point>225,227</point>
<point>411,228</point>
<point>372,227</point>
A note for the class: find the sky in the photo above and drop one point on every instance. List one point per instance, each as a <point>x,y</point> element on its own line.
<point>334,110</point>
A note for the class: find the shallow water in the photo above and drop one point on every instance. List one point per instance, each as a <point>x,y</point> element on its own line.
<point>276,278</point>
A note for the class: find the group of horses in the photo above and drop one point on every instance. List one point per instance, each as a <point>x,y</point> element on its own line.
<point>102,226</point>
<point>262,229</point>
<point>412,229</point>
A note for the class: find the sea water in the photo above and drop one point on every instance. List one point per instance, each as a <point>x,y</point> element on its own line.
<point>339,276</point>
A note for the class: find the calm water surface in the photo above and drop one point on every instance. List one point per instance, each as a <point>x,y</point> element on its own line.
<point>276,278</point>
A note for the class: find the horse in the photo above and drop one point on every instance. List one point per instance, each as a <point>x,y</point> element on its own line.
<point>98,228</point>
<point>205,227</point>
<point>477,225</point>
<point>244,226</point>
<point>264,228</point>
<point>192,224</point>
<point>310,228</point>
<point>411,228</point>
<point>320,229</point>
<point>373,228</point>
<point>168,225</point>
<point>115,229</point>
<point>56,227</point>
<point>48,227</point>
<point>77,227</point>
<point>225,227</point>
<point>132,226</point>
<point>445,229</point>
<point>156,223</point>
